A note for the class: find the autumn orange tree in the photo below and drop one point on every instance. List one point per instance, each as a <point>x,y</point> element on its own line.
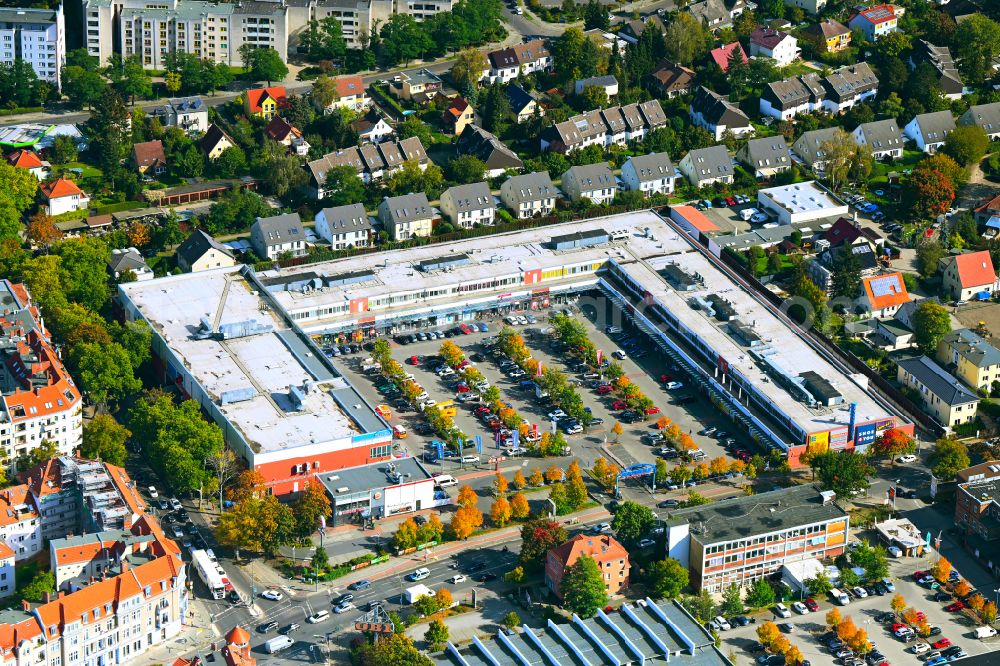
<point>719,465</point>
<point>768,633</point>
<point>833,618</point>
<point>500,512</point>
<point>553,474</point>
<point>41,230</point>
<point>406,535</point>
<point>737,466</point>
<point>941,569</point>
<point>536,478</point>
<point>910,616</point>
<point>519,508</point>
<point>847,630</point>
<point>467,496</point>
<point>617,430</point>
<point>519,481</point>
<point>988,612</point>
<point>605,473</point>
<point>780,645</point>
<point>500,485</point>
<point>793,655</point>
<point>662,423</point>
<point>138,235</point>
<point>962,588</point>
<point>465,521</point>
<point>443,598</point>
<point>892,443</point>
<point>975,602</point>
<point>927,194</point>
<point>898,603</point>
<point>859,642</point>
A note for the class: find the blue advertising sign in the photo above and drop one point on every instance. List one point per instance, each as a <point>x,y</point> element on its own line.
<point>515,438</point>
<point>864,434</point>
<point>439,445</point>
<point>637,470</point>
<point>479,444</point>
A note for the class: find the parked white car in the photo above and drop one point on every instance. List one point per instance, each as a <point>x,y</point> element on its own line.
<point>721,623</point>
<point>894,551</point>
<point>273,595</point>
<point>457,578</point>
<point>860,592</point>
<point>908,458</point>
<point>800,608</point>
<point>782,610</point>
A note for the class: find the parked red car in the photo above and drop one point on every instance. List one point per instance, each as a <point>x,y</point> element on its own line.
<point>652,410</point>
<point>811,605</point>
<point>604,389</point>
<point>462,388</point>
<point>955,607</point>
<point>465,329</point>
<point>413,360</point>
<point>665,378</point>
<point>917,575</point>
<point>482,411</point>
<point>731,201</point>
<point>921,617</point>
<point>618,404</point>
<point>943,643</point>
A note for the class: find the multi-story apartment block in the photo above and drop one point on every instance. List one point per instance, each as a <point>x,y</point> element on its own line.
<point>529,195</point>
<point>591,182</point>
<point>615,125</point>
<point>977,512</point>
<point>371,162</point>
<point>36,36</point>
<point>344,226</point>
<point>944,398</point>
<point>109,622</point>
<point>611,557</point>
<point>744,539</point>
<point>805,93</point>
<point>20,524</point>
<point>151,29</point>
<point>968,356</point>
<point>40,400</point>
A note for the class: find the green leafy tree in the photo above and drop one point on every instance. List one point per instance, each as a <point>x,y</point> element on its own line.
<point>760,594</point>
<point>465,169</point>
<point>632,521</point>
<point>701,606</point>
<point>110,138</point>
<point>436,635</point>
<point>344,186</point>
<point>512,620</point>
<point>593,97</point>
<point>819,586</point>
<point>495,108</point>
<point>320,560</point>
<point>731,604</point>
<point>129,77</point>
<point>976,44</point>
<point>470,64</point>
<point>231,163</point>
<point>948,457</point>
<point>583,587</point>
<point>323,40</point>
<point>844,472</point>
<point>104,372</point>
<point>874,560</point>
<point>104,438</point>
<point>686,39</point>
<point>396,649</point>
<point>284,173</point>
<point>929,255</point>
<point>967,144</point>
<point>264,63</point>
<point>595,16</point>
<point>846,276</point>
<point>403,39</point>
<point>43,582</point>
<point>17,194</point>
<point>931,322</point>
<point>46,450</point>
<point>667,578</point>
<point>413,126</point>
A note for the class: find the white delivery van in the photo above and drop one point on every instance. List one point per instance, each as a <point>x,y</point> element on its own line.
<point>748,213</point>
<point>444,480</point>
<point>840,596</point>
<point>985,632</point>
<point>277,644</point>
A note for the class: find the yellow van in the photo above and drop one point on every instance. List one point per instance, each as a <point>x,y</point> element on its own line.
<point>399,432</point>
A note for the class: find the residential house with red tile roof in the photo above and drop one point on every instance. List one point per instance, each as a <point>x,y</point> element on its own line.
<point>968,276</point>
<point>883,295</point>
<point>350,94</point>
<point>40,400</point>
<point>724,55</point>
<point>611,557</point>
<point>457,116</point>
<point>62,196</point>
<point>24,158</point>
<point>266,102</point>
<point>20,524</point>
<point>874,21</point>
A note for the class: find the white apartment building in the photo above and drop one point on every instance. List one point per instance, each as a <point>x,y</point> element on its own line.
<point>151,29</point>
<point>344,226</point>
<point>37,36</point>
<point>20,524</point>
<point>650,174</point>
<point>593,182</point>
<point>529,195</point>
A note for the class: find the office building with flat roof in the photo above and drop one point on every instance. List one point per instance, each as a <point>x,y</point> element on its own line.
<point>284,408</point>
<point>801,202</point>
<point>746,538</point>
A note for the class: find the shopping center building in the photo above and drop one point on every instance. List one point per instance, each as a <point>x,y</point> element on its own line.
<point>283,407</point>
<point>242,344</point>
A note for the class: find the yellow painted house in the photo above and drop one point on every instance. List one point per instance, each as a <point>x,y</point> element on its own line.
<point>835,35</point>
<point>970,358</point>
<point>266,102</point>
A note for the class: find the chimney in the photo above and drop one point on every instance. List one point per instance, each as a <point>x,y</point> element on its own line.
<point>47,597</point>
<point>124,565</point>
<point>62,593</point>
<point>25,605</point>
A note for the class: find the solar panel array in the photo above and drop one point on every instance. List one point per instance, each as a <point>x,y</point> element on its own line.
<point>885,285</point>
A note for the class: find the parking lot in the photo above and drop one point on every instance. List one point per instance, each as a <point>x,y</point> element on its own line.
<point>809,628</point>
<point>597,313</point>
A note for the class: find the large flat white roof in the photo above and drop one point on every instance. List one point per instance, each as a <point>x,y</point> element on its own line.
<point>651,244</point>
<point>805,197</point>
<point>263,366</point>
